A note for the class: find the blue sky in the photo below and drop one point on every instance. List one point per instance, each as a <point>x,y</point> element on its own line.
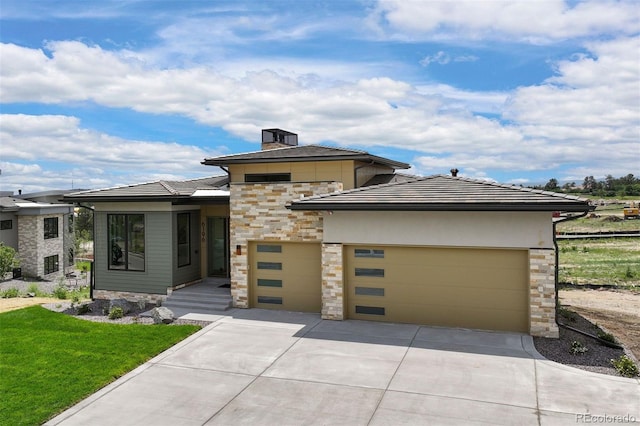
<point>97,94</point>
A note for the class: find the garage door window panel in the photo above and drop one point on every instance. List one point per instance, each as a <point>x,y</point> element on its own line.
<point>370,272</point>
<point>263,282</point>
<point>371,253</point>
<point>270,300</point>
<point>370,310</point>
<point>369,291</point>
<point>269,248</point>
<point>270,266</point>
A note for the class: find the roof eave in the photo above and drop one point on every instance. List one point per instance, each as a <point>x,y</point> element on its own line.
<point>478,207</point>
<point>380,160</point>
<point>169,198</point>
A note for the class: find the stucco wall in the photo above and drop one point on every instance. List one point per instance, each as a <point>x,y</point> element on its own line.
<point>452,229</point>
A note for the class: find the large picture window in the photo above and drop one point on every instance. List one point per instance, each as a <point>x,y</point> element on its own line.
<point>126,242</point>
<point>184,239</point>
<point>50,227</point>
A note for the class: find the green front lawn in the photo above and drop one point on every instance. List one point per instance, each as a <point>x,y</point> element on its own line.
<point>49,361</point>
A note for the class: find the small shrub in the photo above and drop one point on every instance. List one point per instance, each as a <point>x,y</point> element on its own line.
<point>607,337</point>
<point>75,298</point>
<point>625,366</point>
<point>10,293</point>
<point>60,292</point>
<point>83,309</point>
<point>116,312</point>
<point>577,348</point>
<point>34,289</point>
<point>567,314</point>
<point>629,273</point>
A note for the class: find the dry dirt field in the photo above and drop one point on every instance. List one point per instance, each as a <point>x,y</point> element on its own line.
<point>617,312</point>
<point>22,302</point>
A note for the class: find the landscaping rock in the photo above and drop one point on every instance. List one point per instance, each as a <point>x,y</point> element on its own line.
<point>120,303</point>
<point>162,315</point>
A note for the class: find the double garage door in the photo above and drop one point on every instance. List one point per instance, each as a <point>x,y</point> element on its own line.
<point>452,287</point>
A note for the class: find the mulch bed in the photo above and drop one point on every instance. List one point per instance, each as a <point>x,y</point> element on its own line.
<point>597,357</point>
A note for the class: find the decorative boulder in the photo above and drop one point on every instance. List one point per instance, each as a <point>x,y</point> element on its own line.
<point>162,315</point>
<point>120,303</point>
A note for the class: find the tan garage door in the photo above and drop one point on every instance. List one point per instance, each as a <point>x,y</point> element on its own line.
<point>452,287</point>
<point>285,276</point>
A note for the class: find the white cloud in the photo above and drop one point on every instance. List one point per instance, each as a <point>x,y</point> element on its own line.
<point>55,150</point>
<point>443,58</point>
<point>529,21</point>
<point>589,107</point>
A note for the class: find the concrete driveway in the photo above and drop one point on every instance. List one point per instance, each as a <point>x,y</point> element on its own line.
<point>260,367</point>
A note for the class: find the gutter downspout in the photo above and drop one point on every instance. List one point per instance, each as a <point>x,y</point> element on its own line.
<point>355,172</point>
<point>555,245</point>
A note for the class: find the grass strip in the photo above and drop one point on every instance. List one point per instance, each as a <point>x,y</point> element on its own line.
<point>50,361</point>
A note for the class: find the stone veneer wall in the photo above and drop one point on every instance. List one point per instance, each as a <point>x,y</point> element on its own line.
<point>33,248</point>
<point>258,213</point>
<point>129,296</point>
<point>332,282</point>
<point>542,293</point>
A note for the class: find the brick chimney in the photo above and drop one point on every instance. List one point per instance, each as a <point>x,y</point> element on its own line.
<point>277,138</point>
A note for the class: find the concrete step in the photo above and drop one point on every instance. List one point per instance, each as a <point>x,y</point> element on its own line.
<point>202,306</point>
<point>199,298</point>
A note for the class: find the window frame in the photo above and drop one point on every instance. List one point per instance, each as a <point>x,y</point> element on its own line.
<point>51,264</point>
<point>180,261</point>
<point>124,253</point>
<point>267,177</point>
<point>6,224</point>
<point>51,228</point>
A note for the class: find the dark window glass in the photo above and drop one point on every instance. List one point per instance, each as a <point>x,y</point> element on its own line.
<point>270,265</point>
<point>369,253</point>
<point>71,256</point>
<point>126,242</point>
<point>51,264</point>
<point>369,291</point>
<point>6,224</point>
<point>369,310</point>
<point>369,272</point>
<point>267,177</point>
<point>269,283</point>
<point>50,227</point>
<point>70,224</point>
<point>268,248</point>
<point>184,239</point>
<point>270,300</point>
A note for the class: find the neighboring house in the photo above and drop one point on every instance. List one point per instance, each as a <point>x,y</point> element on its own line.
<point>339,232</point>
<point>41,232</point>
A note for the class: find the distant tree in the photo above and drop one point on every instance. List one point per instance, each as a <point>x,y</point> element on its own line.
<point>552,185</point>
<point>83,224</point>
<point>590,184</point>
<point>8,260</point>
<point>569,187</point>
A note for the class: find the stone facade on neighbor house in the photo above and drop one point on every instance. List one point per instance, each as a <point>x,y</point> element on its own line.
<point>33,248</point>
<point>258,213</point>
<point>542,296</point>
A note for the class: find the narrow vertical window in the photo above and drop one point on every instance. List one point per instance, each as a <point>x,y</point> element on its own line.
<point>184,239</point>
<point>126,242</point>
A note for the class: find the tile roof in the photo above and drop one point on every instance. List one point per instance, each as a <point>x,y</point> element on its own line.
<point>443,193</point>
<point>302,153</point>
<point>160,190</point>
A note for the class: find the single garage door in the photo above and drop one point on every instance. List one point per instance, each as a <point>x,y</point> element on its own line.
<point>451,287</point>
<point>286,276</point>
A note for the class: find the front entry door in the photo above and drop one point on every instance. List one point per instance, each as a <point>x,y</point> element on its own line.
<point>218,247</point>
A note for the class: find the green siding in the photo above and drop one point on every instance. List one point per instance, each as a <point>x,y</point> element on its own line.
<point>157,276</point>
